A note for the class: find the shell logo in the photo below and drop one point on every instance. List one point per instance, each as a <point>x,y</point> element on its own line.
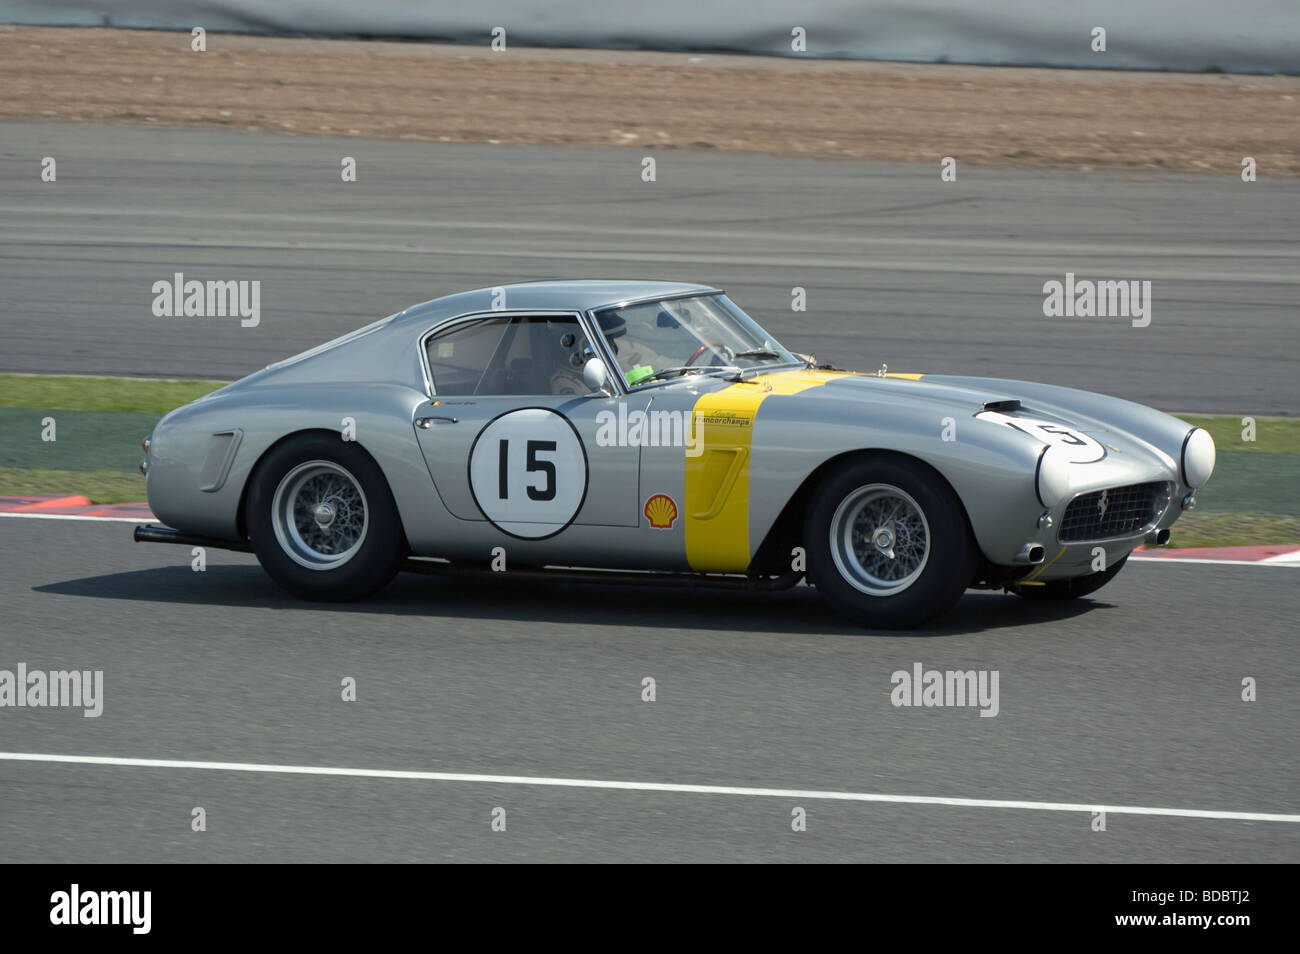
<point>661,511</point>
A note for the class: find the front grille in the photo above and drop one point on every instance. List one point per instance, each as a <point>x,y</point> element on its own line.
<point>1114,512</point>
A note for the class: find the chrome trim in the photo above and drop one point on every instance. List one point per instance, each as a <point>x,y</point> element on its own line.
<point>236,435</point>
<point>422,359</point>
<point>1032,553</point>
<point>152,533</point>
<point>1158,537</point>
<point>1038,467</point>
<point>1140,532</point>
<point>856,554</point>
<point>602,350</point>
<point>715,376</point>
<point>702,292</point>
<point>1034,574</point>
<point>285,511</point>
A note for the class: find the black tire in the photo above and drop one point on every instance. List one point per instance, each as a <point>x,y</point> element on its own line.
<point>320,466</point>
<point>852,580</point>
<point>1072,588</point>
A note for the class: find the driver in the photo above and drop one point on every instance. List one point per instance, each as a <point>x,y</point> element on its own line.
<point>636,358</point>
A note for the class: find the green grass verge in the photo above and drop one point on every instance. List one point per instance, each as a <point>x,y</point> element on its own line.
<point>1279,435</point>
<point>101,486</point>
<point>87,440</point>
<point>141,395</point>
<point>102,432</point>
<point>1197,529</point>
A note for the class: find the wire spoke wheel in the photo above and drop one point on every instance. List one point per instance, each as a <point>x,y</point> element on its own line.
<point>320,515</point>
<point>879,539</point>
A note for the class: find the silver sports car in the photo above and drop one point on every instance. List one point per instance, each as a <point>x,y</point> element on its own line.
<point>653,428</point>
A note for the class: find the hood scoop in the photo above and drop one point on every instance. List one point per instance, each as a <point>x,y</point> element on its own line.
<point>1003,407</point>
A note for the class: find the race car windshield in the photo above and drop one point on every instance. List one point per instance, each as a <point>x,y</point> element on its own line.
<point>705,332</point>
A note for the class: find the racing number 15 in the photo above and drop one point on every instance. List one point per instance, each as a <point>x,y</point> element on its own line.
<point>534,466</point>
<point>1067,437</point>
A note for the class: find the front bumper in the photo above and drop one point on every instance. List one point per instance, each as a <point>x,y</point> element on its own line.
<point>1073,557</point>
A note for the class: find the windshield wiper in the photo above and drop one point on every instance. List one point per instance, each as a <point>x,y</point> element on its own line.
<point>687,369</point>
<point>756,353</point>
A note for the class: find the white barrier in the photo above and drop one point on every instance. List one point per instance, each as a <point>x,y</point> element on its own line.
<point>1249,36</point>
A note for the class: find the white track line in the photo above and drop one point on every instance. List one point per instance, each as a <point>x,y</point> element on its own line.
<point>1177,560</point>
<point>74,516</point>
<point>1292,557</point>
<point>789,793</point>
<point>1282,559</point>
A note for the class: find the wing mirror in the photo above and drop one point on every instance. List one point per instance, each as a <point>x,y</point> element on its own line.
<point>595,375</point>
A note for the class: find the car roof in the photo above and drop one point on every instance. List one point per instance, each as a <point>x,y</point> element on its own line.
<point>557,294</point>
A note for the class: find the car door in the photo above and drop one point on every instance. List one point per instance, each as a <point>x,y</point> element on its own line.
<point>512,434</point>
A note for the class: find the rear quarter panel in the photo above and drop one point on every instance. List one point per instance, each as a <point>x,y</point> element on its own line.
<point>381,416</point>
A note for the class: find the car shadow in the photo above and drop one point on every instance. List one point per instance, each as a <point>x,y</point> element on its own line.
<point>482,597</point>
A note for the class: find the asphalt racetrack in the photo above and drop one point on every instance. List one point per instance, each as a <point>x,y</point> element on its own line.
<point>899,267</point>
<point>1130,699</point>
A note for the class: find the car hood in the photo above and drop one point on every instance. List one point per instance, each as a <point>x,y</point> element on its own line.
<point>1132,431</point>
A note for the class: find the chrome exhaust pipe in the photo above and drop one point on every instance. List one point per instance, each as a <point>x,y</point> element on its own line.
<point>1032,553</point>
<point>150,533</point>
<point>1157,538</point>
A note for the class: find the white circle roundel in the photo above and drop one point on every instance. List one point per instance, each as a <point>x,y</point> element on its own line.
<point>1073,446</point>
<point>528,472</point>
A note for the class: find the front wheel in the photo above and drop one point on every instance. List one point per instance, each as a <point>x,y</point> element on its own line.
<point>888,543</point>
<point>322,520</point>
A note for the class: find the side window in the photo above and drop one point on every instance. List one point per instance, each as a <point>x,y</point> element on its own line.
<point>525,355</point>
<point>459,359</point>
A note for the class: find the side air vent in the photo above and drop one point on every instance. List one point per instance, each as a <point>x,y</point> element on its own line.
<point>221,454</point>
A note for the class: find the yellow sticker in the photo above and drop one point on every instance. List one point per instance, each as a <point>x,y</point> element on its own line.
<point>716,505</point>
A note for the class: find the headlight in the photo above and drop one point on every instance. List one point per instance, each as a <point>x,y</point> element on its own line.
<point>1198,457</point>
<point>1052,479</point>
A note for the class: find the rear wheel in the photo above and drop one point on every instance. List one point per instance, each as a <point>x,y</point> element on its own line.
<point>1072,588</point>
<point>887,542</point>
<point>322,520</point>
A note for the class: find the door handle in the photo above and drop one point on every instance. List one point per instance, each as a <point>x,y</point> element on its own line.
<point>426,422</point>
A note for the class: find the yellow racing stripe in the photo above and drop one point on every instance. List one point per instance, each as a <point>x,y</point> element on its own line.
<point>1032,577</point>
<point>717,481</point>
